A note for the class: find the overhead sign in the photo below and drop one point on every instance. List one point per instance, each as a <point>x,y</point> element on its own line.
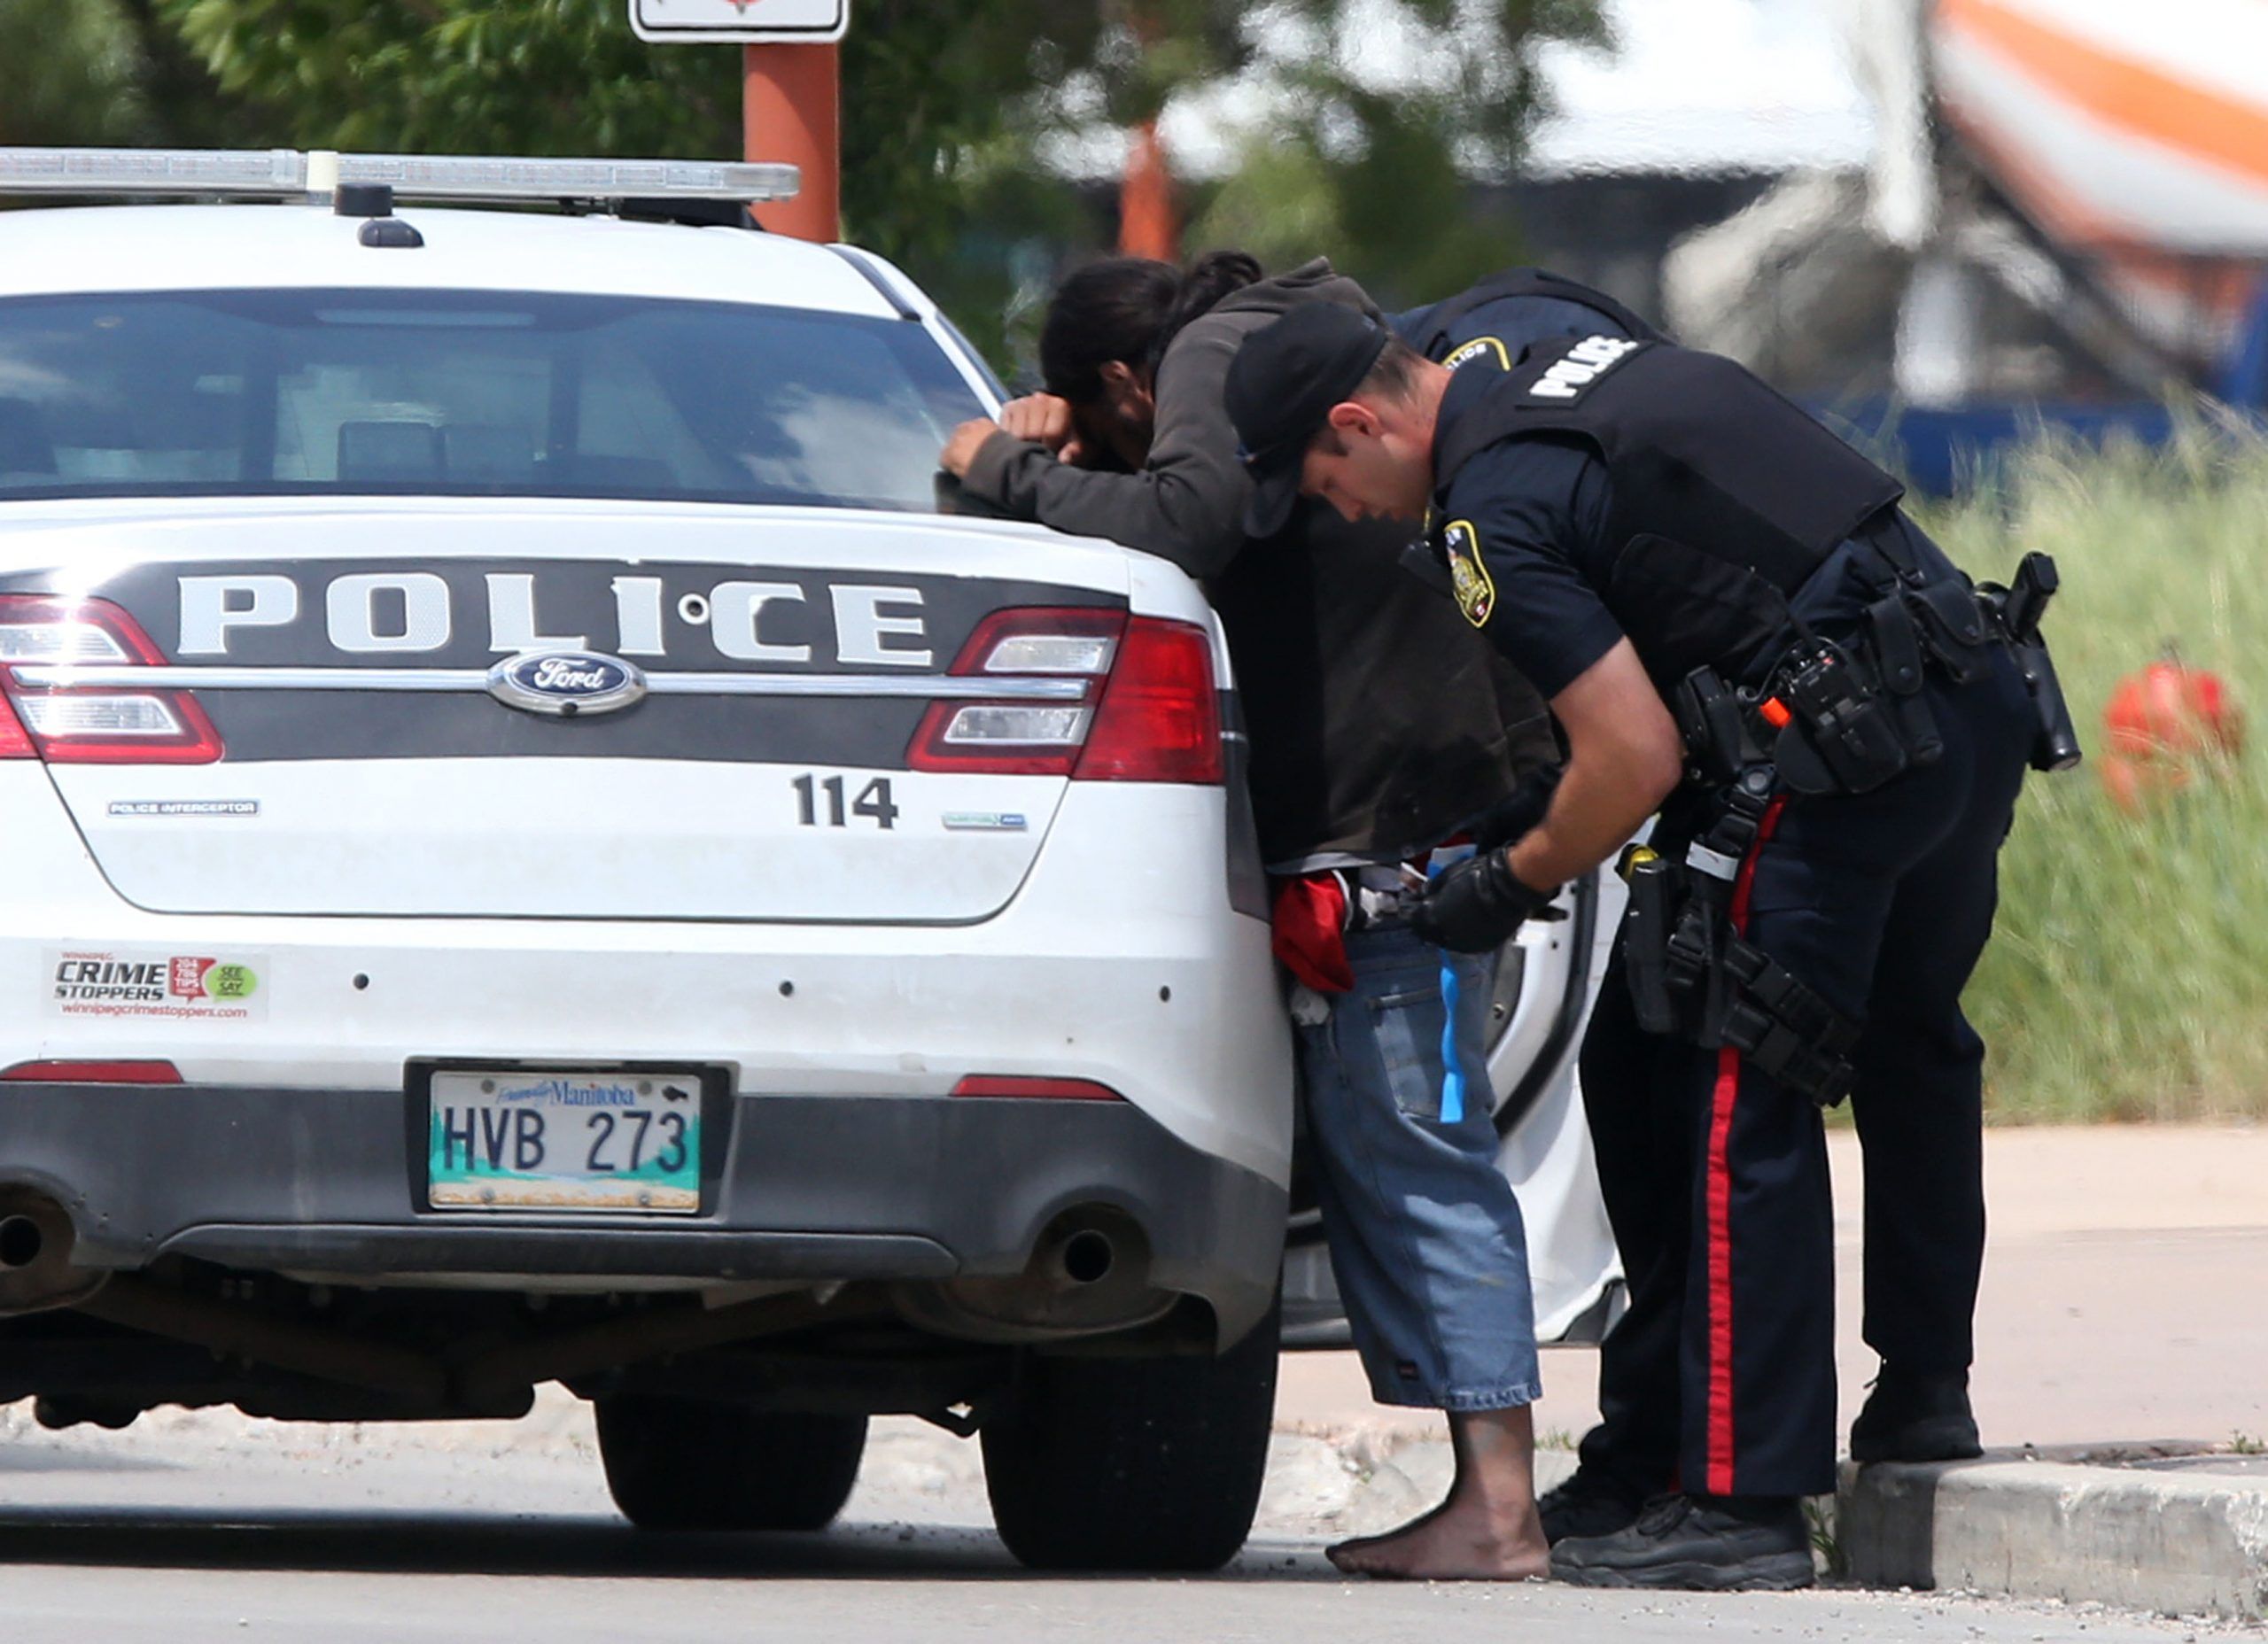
<point>742,23</point>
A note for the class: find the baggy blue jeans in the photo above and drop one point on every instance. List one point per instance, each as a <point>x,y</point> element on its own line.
<point>1425,1237</point>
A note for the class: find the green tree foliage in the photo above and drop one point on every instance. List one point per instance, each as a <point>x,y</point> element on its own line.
<point>1380,173</point>
<point>73,74</point>
<point>929,97</point>
<point>466,76</point>
<point>111,71</point>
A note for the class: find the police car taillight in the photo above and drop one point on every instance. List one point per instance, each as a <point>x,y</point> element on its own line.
<point>68,668</point>
<point>1149,713</point>
<point>1013,737</point>
<point>1160,718</point>
<point>15,742</point>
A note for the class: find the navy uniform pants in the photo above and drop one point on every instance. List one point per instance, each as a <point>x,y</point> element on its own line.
<point>1721,1378</point>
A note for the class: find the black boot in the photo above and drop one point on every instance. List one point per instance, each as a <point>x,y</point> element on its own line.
<point>1587,1504</point>
<point>1916,1417</point>
<point>1705,1543</point>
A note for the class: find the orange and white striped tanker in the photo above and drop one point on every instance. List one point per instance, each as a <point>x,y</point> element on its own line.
<point>2133,132</point>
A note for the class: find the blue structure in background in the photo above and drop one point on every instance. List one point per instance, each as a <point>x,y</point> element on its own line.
<point>2245,383</point>
<point>1941,452</point>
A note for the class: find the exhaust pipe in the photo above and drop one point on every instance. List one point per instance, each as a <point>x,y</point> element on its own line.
<point>21,1239</point>
<point>1086,1257</point>
<point>35,1270</point>
<point>1090,1275</point>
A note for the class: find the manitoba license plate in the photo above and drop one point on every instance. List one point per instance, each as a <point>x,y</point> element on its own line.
<point>563,1141</point>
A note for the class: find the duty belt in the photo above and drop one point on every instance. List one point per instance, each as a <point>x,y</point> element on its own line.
<point>1828,717</point>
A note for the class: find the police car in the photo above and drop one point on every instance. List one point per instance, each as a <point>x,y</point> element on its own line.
<point>537,854</point>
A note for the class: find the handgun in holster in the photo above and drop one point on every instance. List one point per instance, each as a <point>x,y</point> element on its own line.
<point>1690,975</point>
<point>1646,936</point>
<point>1709,718</point>
<point>2015,610</point>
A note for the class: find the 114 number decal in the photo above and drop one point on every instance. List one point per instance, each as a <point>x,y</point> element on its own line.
<point>873,801</point>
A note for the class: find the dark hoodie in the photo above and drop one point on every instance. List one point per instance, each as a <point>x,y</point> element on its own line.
<point>1380,721</point>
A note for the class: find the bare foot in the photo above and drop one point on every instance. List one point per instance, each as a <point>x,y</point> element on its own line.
<point>1466,1539</point>
<point>1487,1530</point>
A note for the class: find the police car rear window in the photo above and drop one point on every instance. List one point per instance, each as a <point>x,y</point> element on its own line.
<point>468,393</point>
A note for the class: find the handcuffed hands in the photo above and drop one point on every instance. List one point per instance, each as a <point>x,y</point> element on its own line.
<point>1476,905</point>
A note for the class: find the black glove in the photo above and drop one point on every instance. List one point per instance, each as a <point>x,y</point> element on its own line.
<point>1517,811</point>
<point>1475,906</point>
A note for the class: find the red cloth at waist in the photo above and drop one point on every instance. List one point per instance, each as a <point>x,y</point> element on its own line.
<point>1308,931</point>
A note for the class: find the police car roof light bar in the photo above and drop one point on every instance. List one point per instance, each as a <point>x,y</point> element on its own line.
<point>251,173</point>
<point>286,174</point>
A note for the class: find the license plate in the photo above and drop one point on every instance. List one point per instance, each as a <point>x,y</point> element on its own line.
<point>563,1141</point>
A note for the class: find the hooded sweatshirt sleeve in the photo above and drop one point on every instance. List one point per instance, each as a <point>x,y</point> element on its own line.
<point>1187,505</point>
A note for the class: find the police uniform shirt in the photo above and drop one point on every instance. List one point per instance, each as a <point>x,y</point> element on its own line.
<point>1523,534</point>
<point>1524,531</point>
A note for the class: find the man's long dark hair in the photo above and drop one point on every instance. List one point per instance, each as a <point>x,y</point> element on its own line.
<point>1129,309</point>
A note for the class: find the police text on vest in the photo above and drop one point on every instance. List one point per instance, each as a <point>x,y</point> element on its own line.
<point>1580,367</point>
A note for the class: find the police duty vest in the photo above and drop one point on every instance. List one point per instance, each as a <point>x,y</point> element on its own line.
<point>1726,495</point>
<point>1436,342</point>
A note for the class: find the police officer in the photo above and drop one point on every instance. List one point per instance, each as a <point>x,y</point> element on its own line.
<point>1733,622</point>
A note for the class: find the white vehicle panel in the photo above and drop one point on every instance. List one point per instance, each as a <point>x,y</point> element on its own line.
<point>559,839</point>
<point>1120,961</point>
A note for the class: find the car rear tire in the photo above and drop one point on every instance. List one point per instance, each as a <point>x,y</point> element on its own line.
<point>1137,1464</point>
<point>690,1464</point>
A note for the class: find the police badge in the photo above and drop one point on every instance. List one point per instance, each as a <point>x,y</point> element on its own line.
<point>1469,579</point>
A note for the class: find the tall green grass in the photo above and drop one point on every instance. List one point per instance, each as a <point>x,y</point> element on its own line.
<point>2128,976</point>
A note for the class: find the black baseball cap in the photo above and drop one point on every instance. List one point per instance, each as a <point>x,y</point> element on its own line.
<point>1282,385</point>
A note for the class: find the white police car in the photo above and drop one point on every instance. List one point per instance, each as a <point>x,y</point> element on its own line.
<point>535,854</point>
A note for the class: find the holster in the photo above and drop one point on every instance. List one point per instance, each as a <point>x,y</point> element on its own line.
<point>2015,610</point>
<point>1828,718</point>
<point>1692,976</point>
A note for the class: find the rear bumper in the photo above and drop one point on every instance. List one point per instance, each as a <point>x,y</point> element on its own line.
<point>811,1188</point>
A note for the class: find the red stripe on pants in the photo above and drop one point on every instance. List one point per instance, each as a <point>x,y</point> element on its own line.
<point>1720,1199</point>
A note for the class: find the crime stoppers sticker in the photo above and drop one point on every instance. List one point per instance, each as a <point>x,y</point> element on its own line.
<point>100,982</point>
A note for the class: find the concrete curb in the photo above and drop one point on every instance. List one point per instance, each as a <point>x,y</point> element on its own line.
<point>2181,1536</point>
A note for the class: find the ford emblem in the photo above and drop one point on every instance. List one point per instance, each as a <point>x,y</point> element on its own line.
<point>566,682</point>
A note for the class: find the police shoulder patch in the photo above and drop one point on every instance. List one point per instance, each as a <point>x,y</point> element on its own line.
<point>1469,581</point>
<point>1479,348</point>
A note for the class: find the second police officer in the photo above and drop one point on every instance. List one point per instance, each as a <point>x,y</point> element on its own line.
<point>1734,624</point>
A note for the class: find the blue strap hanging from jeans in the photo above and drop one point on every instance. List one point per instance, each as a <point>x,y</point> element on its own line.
<point>1453,1079</point>
<point>1452,1069</point>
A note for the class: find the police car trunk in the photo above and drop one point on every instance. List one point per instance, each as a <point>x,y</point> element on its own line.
<point>410,598</point>
<point>578,709</point>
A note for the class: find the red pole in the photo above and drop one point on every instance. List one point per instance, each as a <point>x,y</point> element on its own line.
<point>1147,223</point>
<point>790,111</point>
